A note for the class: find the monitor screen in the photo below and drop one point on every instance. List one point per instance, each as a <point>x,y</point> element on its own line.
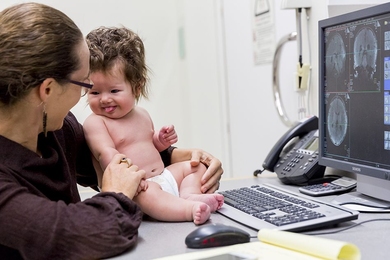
<point>354,97</point>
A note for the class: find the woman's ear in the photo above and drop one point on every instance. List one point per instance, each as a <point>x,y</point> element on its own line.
<point>46,88</point>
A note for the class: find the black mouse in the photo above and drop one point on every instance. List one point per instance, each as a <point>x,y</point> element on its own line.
<point>213,235</point>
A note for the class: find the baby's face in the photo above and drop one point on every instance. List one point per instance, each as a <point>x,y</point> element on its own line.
<point>111,95</point>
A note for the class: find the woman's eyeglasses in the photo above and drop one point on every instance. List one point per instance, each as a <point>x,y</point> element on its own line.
<point>85,85</point>
<point>82,84</point>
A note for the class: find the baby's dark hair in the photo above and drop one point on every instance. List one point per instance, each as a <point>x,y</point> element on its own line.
<point>119,45</point>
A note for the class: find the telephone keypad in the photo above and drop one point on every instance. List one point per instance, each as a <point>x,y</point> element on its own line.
<point>300,164</point>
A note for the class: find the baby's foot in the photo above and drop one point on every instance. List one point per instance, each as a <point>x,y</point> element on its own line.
<point>215,201</point>
<point>200,213</point>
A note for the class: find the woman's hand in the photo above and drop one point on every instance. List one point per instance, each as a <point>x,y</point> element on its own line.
<point>122,176</point>
<point>213,174</point>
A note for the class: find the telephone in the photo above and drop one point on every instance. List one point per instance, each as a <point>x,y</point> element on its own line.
<point>294,158</point>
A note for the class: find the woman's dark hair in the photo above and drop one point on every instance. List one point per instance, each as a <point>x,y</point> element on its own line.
<point>36,42</point>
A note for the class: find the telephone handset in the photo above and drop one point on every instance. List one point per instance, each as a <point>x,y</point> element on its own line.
<point>294,158</point>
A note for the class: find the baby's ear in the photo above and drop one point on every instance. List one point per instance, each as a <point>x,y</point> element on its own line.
<point>140,86</point>
<point>138,90</point>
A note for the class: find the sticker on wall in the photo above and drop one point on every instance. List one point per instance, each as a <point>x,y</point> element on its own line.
<point>263,31</point>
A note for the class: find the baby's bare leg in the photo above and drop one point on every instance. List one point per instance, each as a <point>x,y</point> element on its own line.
<point>215,201</point>
<point>188,178</point>
<point>189,182</point>
<point>164,206</point>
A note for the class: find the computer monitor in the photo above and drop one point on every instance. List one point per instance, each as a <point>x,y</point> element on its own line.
<point>354,102</point>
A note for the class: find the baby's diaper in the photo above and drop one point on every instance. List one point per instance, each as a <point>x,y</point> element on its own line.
<point>167,182</point>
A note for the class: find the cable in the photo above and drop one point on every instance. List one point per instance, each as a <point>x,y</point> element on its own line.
<point>257,172</point>
<point>301,106</point>
<point>346,228</point>
<point>299,11</point>
<point>309,89</point>
<point>342,229</point>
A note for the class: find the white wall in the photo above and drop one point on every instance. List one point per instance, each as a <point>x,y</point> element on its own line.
<point>254,123</point>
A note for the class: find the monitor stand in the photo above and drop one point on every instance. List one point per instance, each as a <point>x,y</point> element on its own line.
<point>362,203</point>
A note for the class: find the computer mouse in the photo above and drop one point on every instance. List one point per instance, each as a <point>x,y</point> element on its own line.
<point>213,235</point>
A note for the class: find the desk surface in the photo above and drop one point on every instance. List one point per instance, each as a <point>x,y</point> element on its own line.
<point>159,239</point>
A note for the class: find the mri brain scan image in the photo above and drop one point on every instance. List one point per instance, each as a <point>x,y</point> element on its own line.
<point>365,55</point>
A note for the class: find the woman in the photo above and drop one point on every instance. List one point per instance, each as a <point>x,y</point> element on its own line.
<point>43,66</point>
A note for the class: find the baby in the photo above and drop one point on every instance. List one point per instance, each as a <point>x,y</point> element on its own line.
<point>117,125</point>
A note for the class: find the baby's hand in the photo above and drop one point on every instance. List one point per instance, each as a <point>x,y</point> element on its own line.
<point>167,135</point>
<point>143,186</point>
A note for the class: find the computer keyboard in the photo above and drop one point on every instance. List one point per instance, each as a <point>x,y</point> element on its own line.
<point>268,206</point>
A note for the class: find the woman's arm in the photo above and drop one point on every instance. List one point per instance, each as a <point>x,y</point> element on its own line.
<point>166,155</point>
<point>79,157</point>
<point>102,226</point>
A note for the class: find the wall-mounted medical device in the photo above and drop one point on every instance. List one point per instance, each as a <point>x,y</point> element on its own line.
<point>302,75</point>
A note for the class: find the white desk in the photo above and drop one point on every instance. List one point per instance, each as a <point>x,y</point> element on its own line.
<point>158,239</point>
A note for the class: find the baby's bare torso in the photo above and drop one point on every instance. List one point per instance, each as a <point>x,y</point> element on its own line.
<point>133,136</point>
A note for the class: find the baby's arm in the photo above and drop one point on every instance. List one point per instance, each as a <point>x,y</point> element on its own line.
<point>165,137</point>
<point>102,146</point>
<point>99,140</point>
